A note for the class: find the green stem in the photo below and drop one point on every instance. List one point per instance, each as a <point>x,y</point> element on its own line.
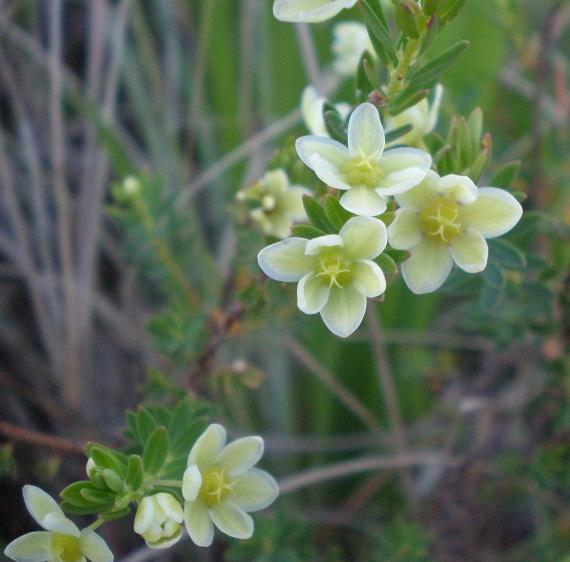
<point>96,524</point>
<point>406,60</point>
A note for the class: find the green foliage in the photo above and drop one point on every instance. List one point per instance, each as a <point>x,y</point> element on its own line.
<point>402,541</point>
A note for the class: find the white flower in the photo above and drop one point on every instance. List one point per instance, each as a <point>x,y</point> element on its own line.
<point>61,541</point>
<point>312,109</point>
<point>280,204</point>
<point>446,220</point>
<point>310,11</point>
<point>335,272</point>
<point>364,170</point>
<point>350,41</point>
<point>159,520</point>
<point>220,486</point>
<point>422,117</point>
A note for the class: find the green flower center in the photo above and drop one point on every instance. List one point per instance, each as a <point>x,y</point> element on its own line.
<point>440,220</point>
<point>334,269</point>
<point>363,170</point>
<point>216,486</point>
<point>66,547</point>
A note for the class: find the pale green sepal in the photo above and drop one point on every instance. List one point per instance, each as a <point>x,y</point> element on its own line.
<point>364,237</point>
<point>255,490</point>
<point>470,251</point>
<point>39,504</point>
<point>428,266</point>
<point>285,260</point>
<point>191,483</point>
<point>240,455</point>
<point>365,132</point>
<point>94,547</point>
<point>198,523</point>
<point>368,278</point>
<point>405,231</point>
<point>344,311</point>
<point>312,294</point>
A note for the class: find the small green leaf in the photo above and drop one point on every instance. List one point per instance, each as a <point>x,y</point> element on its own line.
<point>317,214</point>
<point>395,134</point>
<point>182,442</point>
<point>506,254</point>
<point>114,515</point>
<point>365,83</point>
<point>387,264</point>
<point>428,74</point>
<point>306,231</point>
<point>106,458</point>
<point>336,213</point>
<point>378,31</point>
<point>451,10</point>
<point>397,255</point>
<point>156,450</point>
<point>407,98</point>
<point>145,424</point>
<point>80,510</point>
<point>72,494</point>
<point>135,472</point>
<point>407,12</point>
<point>335,126</point>
<point>507,175</point>
<point>104,500</point>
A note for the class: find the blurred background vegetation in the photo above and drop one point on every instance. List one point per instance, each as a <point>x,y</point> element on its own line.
<point>111,297</point>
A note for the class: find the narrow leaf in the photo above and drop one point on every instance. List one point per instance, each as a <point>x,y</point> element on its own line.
<point>317,214</point>
<point>336,214</point>
<point>430,72</point>
<point>156,450</point>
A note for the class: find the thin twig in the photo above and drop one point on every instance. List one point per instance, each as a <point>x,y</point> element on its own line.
<point>389,394</point>
<point>365,464</point>
<point>329,380</point>
<point>16,433</point>
<point>309,54</point>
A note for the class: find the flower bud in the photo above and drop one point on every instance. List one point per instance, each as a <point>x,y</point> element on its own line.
<point>113,481</point>
<point>158,520</point>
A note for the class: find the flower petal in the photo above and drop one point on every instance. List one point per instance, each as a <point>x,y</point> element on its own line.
<point>312,294</point>
<point>428,266</point>
<point>240,455</point>
<point>312,109</point>
<point>470,251</point>
<point>418,197</point>
<point>405,230</point>
<point>33,547</point>
<point>191,483</point>
<point>166,542</point>
<point>329,150</point>
<point>404,168</point>
<point>315,245</point>
<point>232,520</point>
<point>364,238</point>
<point>310,11</point>
<point>344,311</point>
<point>255,490</point>
<point>365,132</point>
<point>328,173</point>
<point>39,504</point>
<point>363,201</point>
<point>144,516</point>
<point>285,260</point>
<point>494,213</point>
<point>368,278</point>
<point>198,523</point>
<point>208,446</point>
<point>460,188</point>
<point>58,523</point>
<point>94,547</point>
<point>170,506</point>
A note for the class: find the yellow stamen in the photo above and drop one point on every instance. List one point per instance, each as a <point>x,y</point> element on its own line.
<point>440,219</point>
<point>216,486</point>
<point>66,547</point>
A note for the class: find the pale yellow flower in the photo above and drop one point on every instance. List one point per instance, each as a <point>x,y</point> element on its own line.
<point>336,274</point>
<point>279,204</point>
<point>221,485</point>
<point>159,520</point>
<point>350,40</point>
<point>61,540</point>
<point>363,169</point>
<point>310,11</point>
<point>445,220</point>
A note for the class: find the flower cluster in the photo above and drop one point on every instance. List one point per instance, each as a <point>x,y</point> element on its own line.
<point>440,220</point>
<point>219,487</point>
